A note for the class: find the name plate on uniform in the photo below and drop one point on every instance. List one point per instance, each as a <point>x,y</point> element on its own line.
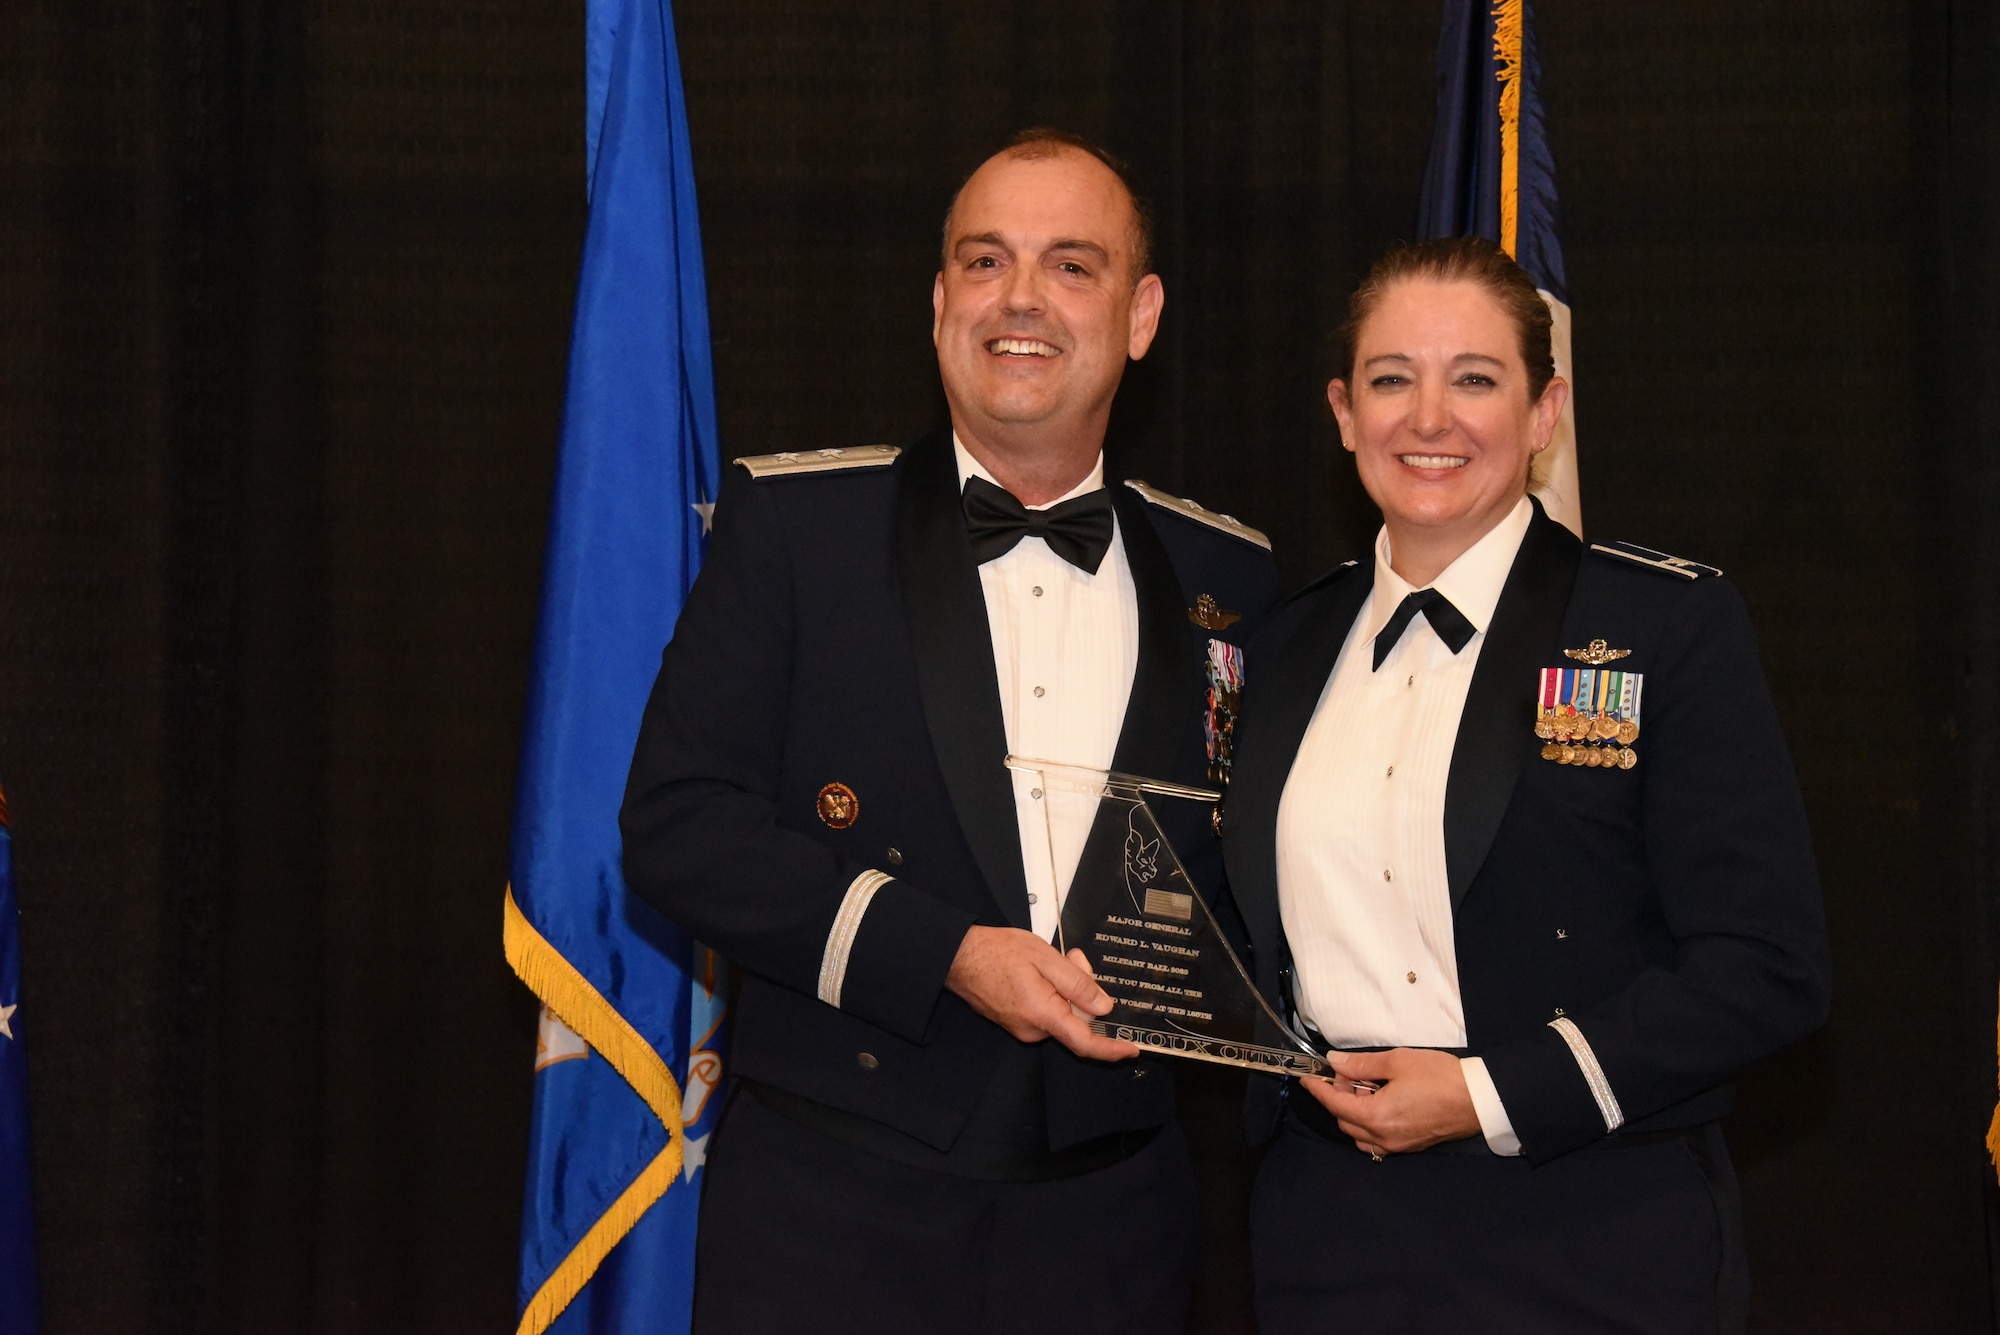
<point>1175,984</point>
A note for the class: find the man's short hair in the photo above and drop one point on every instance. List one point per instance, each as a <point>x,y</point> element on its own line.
<point>1045,141</point>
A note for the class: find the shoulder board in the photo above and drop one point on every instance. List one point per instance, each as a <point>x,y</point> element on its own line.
<point>1329,577</point>
<point>1229,524</point>
<point>1646,556</point>
<point>792,462</point>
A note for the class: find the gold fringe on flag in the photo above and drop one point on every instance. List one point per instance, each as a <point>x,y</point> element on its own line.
<point>584,1009</point>
<point>1508,16</point>
<point>1993,1132</point>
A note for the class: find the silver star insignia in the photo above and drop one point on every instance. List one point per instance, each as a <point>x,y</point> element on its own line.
<point>694,1154</point>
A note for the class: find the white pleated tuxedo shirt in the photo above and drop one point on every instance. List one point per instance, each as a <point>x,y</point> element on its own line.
<point>1065,651</point>
<point>1362,880</point>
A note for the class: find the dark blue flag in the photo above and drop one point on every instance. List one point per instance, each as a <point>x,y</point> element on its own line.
<point>1491,174</point>
<point>19,1306</point>
<point>629,1063</point>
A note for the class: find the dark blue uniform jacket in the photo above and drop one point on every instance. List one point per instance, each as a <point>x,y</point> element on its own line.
<point>838,634</point>
<point>1670,911</point>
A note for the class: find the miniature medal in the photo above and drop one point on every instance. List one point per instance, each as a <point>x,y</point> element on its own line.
<point>1545,708</point>
<point>1589,716</point>
<point>1225,699</point>
<point>1628,709</point>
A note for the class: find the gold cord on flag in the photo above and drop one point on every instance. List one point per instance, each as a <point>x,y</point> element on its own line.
<point>584,1009</point>
<point>1508,17</point>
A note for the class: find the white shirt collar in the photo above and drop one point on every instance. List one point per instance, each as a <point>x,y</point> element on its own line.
<point>1472,583</point>
<point>971,467</point>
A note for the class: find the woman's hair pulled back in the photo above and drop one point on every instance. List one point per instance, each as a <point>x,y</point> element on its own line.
<point>1465,259</point>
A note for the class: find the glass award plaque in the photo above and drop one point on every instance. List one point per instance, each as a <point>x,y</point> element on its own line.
<point>1175,984</point>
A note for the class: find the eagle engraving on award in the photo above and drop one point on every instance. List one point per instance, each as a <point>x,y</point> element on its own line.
<point>1176,985</point>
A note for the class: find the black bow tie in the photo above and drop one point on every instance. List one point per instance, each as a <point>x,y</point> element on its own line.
<point>1078,530</point>
<point>1449,623</point>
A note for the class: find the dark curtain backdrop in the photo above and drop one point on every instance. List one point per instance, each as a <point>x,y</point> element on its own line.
<point>284,302</point>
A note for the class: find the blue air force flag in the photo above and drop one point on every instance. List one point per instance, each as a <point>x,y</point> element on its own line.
<point>629,1052</point>
<point>1491,174</point>
<point>19,1306</point>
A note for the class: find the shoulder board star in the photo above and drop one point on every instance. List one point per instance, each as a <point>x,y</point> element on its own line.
<point>1646,556</point>
<point>6,1016</point>
<point>789,463</point>
<point>1180,505</point>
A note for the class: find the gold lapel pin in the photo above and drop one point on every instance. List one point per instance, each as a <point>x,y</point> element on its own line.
<point>838,806</point>
<point>1209,615</point>
<point>1597,655</point>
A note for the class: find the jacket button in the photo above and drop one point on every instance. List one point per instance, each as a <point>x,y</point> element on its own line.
<point>867,1060</point>
<point>895,857</point>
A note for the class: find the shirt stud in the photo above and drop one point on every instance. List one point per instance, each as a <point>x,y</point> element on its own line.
<point>1386,876</point>
<point>1037,590</point>
<point>1411,975</point>
<point>1035,793</point>
<point>1039,692</point>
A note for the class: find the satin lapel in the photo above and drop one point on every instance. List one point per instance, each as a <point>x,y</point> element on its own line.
<point>1164,711</point>
<point>1495,733</point>
<point>1279,699</point>
<point>945,611</point>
